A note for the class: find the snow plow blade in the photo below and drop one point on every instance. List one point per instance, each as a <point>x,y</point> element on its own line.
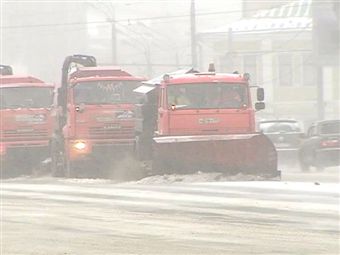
<point>252,154</point>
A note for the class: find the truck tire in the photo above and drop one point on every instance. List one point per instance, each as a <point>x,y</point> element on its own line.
<point>158,167</point>
<point>57,156</point>
<point>70,169</point>
<point>138,150</point>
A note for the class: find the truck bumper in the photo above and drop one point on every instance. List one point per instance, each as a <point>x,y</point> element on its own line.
<point>24,152</point>
<point>86,149</point>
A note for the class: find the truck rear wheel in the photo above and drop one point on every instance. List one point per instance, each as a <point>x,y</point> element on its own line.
<point>57,164</point>
<point>57,153</point>
<point>70,169</point>
<point>160,167</point>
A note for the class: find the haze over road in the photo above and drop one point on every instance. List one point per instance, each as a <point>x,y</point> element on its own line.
<point>158,216</point>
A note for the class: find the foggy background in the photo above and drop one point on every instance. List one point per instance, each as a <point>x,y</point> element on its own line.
<point>271,40</point>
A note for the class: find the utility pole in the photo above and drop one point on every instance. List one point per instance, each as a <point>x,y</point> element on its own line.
<point>113,38</point>
<point>193,34</point>
<point>108,10</point>
<point>230,64</point>
<point>320,95</point>
<point>148,61</point>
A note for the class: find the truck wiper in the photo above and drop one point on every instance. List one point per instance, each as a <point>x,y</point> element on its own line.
<point>179,106</point>
<point>14,106</point>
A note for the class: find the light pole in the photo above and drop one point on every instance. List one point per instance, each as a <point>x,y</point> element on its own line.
<point>193,34</point>
<point>113,38</point>
<point>108,10</point>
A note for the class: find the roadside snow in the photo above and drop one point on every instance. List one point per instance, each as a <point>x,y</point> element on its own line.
<point>197,177</point>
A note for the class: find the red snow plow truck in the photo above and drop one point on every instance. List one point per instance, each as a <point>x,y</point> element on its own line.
<point>27,121</point>
<point>97,117</point>
<point>191,121</point>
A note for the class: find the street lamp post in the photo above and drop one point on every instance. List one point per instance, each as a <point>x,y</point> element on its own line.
<point>193,34</point>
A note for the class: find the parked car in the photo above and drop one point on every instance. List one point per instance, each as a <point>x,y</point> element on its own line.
<point>322,146</point>
<point>286,134</point>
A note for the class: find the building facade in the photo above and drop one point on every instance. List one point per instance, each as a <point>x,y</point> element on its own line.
<point>276,47</point>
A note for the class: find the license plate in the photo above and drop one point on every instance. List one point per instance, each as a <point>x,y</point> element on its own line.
<point>25,130</point>
<point>112,126</point>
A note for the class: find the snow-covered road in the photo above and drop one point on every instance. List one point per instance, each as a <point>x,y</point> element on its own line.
<point>59,216</point>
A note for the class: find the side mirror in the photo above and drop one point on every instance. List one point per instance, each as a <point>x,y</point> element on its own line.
<point>260,106</point>
<point>260,94</point>
<point>141,100</point>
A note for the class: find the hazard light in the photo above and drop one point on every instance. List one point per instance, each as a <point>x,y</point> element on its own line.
<point>246,76</point>
<point>166,78</point>
<point>211,68</point>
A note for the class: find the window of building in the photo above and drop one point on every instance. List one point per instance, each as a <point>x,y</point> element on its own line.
<point>250,66</point>
<point>285,70</point>
<point>308,71</point>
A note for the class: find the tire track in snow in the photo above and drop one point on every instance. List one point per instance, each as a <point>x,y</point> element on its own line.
<point>200,216</point>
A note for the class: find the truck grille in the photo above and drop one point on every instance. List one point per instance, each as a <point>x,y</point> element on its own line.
<point>111,132</point>
<point>24,134</point>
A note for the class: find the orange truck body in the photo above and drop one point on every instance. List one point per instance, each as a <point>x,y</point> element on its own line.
<point>201,136</point>
<point>26,129</point>
<point>96,130</point>
<point>98,125</point>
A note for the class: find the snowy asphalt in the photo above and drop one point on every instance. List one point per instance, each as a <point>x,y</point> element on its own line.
<point>171,215</point>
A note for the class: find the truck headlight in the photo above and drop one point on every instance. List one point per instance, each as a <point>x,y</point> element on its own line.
<point>79,145</point>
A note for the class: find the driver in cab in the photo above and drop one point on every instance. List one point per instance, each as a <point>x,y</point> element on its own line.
<point>229,98</point>
<point>179,98</point>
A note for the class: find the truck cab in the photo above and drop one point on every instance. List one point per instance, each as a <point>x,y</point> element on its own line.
<point>28,117</point>
<point>202,122</point>
<point>101,109</point>
<point>99,116</point>
<point>197,104</point>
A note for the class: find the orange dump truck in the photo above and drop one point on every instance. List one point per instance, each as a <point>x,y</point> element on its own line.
<point>28,118</point>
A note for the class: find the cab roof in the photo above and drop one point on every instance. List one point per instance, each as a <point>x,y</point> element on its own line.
<point>101,73</point>
<point>10,79</point>
<point>206,77</point>
<point>98,71</point>
<point>192,76</point>
<point>26,85</point>
<point>108,78</point>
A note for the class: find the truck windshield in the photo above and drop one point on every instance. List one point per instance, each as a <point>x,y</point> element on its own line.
<point>105,92</point>
<point>26,97</point>
<point>208,96</point>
